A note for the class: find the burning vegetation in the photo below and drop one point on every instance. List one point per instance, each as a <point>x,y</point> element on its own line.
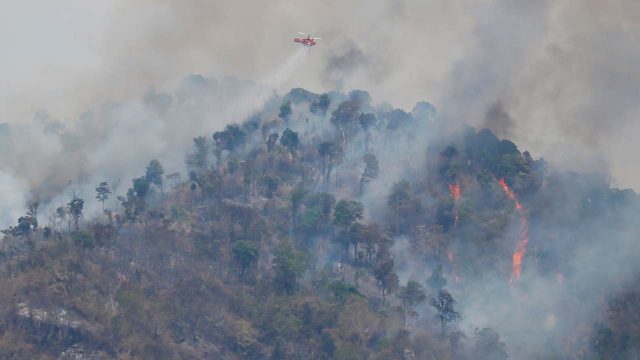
<point>521,248</point>
<point>456,194</point>
<point>311,229</point>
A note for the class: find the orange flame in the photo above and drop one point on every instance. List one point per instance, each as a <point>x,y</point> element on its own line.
<point>521,249</point>
<point>455,191</point>
<point>456,194</point>
<point>510,194</point>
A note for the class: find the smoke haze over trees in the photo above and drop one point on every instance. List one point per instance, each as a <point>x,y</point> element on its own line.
<point>469,58</point>
<point>149,214</point>
<point>454,236</point>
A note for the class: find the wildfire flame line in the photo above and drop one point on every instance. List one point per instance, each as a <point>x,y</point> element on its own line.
<point>456,194</point>
<point>521,249</point>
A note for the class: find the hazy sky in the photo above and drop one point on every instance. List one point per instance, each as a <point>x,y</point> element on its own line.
<point>559,77</point>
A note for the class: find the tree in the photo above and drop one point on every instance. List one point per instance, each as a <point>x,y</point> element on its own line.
<point>26,224</point>
<point>347,212</point>
<point>361,97</point>
<point>289,265</point>
<point>488,345</point>
<point>270,185</point>
<point>232,138</point>
<point>357,233</point>
<point>346,215</point>
<point>103,192</point>
<point>75,207</point>
<point>444,304</point>
<point>397,118</point>
<point>61,213</point>
<point>327,151</point>
<point>400,196</point>
<point>383,272</point>
<point>366,121</point>
<point>317,215</point>
<point>198,159</point>
<point>272,141</point>
<point>374,239</point>
<point>141,187</point>
<point>403,205</point>
<point>321,105</point>
<point>133,204</point>
<point>411,295</point>
<point>245,254</point>
<point>154,173</point>
<point>289,140</point>
<point>285,111</point>
<point>370,170</point>
<point>210,182</point>
<point>32,213</point>
<point>345,118</point>
<point>32,209</point>
<point>437,280</point>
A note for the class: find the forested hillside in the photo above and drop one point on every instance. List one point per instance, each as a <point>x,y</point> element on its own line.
<point>327,227</point>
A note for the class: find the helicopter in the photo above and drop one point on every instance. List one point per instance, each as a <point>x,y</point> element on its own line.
<point>306,41</point>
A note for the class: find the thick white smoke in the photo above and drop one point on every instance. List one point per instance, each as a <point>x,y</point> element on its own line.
<point>252,101</point>
<point>115,141</point>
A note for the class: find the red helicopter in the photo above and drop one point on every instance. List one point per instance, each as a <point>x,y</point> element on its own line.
<point>308,41</point>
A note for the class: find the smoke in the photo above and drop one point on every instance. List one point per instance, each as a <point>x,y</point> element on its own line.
<point>115,141</point>
<point>14,199</point>
<point>576,259</point>
<point>560,78</point>
<point>557,70</point>
<point>498,121</point>
<point>343,65</point>
<point>563,71</point>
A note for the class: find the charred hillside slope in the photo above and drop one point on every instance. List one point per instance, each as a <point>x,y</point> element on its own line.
<point>324,227</point>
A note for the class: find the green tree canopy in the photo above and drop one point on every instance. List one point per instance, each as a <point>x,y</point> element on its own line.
<point>347,212</point>
<point>285,110</point>
<point>198,159</point>
<point>154,173</point>
<point>321,105</point>
<point>75,207</point>
<point>289,140</point>
<point>103,192</point>
<point>444,304</point>
<point>245,254</point>
<point>232,138</point>
<point>412,294</point>
<point>289,265</point>
<point>370,170</point>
